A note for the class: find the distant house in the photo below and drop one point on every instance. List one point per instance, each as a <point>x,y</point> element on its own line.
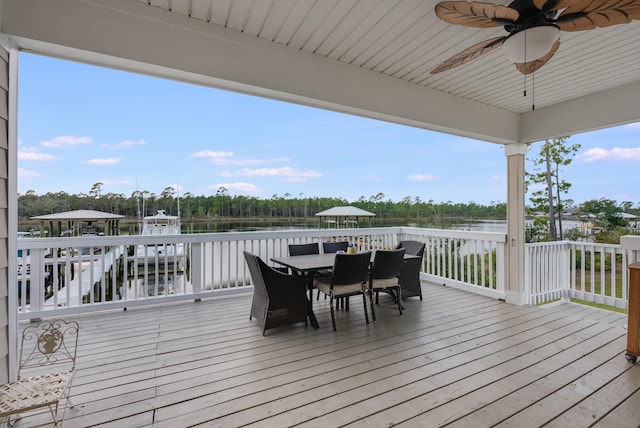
<point>80,223</point>
<point>343,217</point>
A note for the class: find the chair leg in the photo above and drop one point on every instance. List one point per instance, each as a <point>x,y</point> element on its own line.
<point>333,316</point>
<point>373,311</point>
<point>364,301</point>
<point>399,298</point>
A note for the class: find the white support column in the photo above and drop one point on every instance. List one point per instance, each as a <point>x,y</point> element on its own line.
<point>515,290</point>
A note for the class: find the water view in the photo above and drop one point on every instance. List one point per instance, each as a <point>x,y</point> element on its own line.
<point>476,225</point>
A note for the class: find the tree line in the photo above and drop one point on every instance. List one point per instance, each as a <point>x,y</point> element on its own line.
<point>222,205</point>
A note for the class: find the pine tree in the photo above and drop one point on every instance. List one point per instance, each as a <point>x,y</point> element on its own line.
<point>553,155</point>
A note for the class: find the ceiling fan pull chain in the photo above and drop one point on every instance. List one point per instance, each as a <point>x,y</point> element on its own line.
<point>525,61</point>
<point>533,90</point>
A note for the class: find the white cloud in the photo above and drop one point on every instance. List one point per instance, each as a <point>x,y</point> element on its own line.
<point>67,141</point>
<point>226,158</point>
<point>125,144</point>
<point>237,188</point>
<point>26,175</point>
<point>499,178</point>
<point>285,172</point>
<point>104,161</point>
<point>224,173</point>
<point>34,154</point>
<point>615,154</point>
<point>423,177</point>
<point>212,155</point>
<point>238,162</point>
<point>633,125</point>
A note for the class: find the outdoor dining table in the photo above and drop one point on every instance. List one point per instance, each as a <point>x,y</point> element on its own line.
<point>309,264</point>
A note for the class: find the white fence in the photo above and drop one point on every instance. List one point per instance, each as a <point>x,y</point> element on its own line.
<point>70,275</point>
<point>472,261</point>
<point>578,270</point>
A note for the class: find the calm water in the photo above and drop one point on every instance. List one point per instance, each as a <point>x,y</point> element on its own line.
<point>476,225</point>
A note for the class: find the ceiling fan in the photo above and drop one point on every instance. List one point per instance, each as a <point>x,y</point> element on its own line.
<point>533,25</point>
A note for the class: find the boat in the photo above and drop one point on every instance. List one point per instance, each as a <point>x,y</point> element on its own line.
<point>160,224</point>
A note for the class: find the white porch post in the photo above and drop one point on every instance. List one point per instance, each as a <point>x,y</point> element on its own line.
<point>8,177</point>
<point>515,290</point>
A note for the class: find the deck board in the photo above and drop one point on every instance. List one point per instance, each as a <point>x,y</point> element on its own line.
<point>453,359</point>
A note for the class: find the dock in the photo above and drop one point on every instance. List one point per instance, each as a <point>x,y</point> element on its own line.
<point>78,287</point>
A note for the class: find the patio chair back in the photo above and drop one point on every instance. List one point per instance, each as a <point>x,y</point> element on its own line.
<point>387,264</point>
<point>415,248</point>
<point>409,278</point>
<point>351,269</point>
<point>49,343</point>
<point>334,247</point>
<point>304,249</point>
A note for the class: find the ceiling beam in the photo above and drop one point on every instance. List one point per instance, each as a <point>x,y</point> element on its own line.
<point>613,107</point>
<point>133,36</point>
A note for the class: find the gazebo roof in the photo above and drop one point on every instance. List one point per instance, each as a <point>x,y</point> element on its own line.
<point>347,211</point>
<point>89,215</point>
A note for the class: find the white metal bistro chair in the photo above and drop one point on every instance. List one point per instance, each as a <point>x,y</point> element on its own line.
<point>46,368</point>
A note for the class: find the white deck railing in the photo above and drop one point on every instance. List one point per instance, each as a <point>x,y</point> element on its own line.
<point>70,275</point>
<point>472,261</point>
<point>579,270</point>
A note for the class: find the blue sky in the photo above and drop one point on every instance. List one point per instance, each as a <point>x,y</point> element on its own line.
<point>81,124</point>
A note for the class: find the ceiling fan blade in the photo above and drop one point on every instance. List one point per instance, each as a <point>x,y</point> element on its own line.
<point>531,66</point>
<point>475,14</point>
<point>470,54</point>
<point>553,4</point>
<point>602,14</point>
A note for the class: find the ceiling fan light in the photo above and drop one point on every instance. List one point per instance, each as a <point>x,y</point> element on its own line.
<point>539,41</point>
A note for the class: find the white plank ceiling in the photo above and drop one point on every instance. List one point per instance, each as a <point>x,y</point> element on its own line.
<point>368,57</point>
<point>404,39</point>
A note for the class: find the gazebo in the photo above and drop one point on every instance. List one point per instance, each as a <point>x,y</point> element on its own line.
<point>339,217</point>
<point>81,223</point>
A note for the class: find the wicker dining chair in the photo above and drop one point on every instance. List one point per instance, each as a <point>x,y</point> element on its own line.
<point>349,277</point>
<point>386,267</point>
<point>45,371</point>
<point>330,247</point>
<point>409,278</point>
<point>278,298</point>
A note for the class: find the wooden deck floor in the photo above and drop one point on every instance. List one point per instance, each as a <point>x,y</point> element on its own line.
<point>454,359</point>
